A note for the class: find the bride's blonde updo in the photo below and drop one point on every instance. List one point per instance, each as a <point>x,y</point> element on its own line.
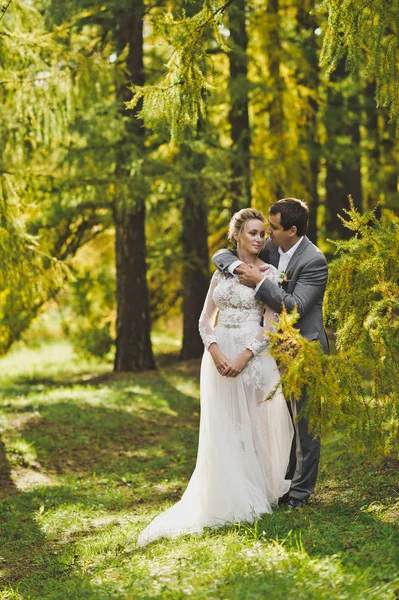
<point>239,219</point>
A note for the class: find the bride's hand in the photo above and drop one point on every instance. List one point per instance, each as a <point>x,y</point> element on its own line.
<point>221,362</point>
<point>238,363</point>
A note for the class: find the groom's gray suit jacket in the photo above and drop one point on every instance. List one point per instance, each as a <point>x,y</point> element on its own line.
<point>307,279</point>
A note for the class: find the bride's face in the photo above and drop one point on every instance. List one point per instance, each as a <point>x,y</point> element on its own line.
<point>252,239</point>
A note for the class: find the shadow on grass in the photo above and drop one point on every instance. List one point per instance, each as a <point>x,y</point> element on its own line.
<point>99,458</point>
<point>115,458</point>
<point>356,536</point>
<point>88,429</point>
<point>26,384</point>
<point>353,516</point>
<point>80,440</point>
<point>26,553</point>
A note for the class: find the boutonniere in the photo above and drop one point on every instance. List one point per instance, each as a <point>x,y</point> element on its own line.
<point>283,279</point>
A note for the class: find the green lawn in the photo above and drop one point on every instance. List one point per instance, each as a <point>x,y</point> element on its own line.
<point>88,458</point>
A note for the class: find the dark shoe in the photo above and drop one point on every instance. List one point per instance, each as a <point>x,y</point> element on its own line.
<point>284,499</point>
<point>295,503</point>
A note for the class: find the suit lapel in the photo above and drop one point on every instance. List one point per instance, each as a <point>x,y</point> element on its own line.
<point>274,256</point>
<point>297,254</point>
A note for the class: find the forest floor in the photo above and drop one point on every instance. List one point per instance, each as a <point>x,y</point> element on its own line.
<point>88,458</point>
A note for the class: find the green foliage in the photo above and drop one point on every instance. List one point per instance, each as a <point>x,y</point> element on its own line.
<point>29,276</point>
<point>355,390</point>
<point>89,308</point>
<point>35,93</point>
<point>91,337</point>
<point>176,105</point>
<point>56,84</point>
<point>357,28</point>
<point>37,279</point>
<point>63,138</point>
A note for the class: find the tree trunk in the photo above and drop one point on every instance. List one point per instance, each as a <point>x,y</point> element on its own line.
<point>133,342</point>
<point>7,485</point>
<point>307,25</point>
<point>240,186</point>
<point>373,149</point>
<point>343,177</point>
<point>276,112</point>
<point>195,278</point>
<point>389,151</point>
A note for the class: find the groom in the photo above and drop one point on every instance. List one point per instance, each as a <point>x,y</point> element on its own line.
<point>303,269</point>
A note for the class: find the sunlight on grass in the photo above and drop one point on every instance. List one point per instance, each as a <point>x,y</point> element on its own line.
<point>387,514</point>
<point>19,450</point>
<point>184,380</point>
<point>165,342</point>
<point>49,358</point>
<point>23,358</point>
<point>8,593</point>
<point>26,479</point>
<point>222,565</point>
<point>188,388</point>
<point>93,457</point>
<point>63,522</point>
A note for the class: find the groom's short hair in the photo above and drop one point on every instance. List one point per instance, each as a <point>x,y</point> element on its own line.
<point>292,212</point>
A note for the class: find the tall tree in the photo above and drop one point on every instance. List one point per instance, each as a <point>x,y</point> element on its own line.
<point>195,274</point>
<point>308,78</point>
<point>343,174</point>
<point>240,186</point>
<point>373,149</point>
<point>195,277</point>
<point>276,104</point>
<point>389,176</point>
<point>103,165</point>
<point>133,342</point>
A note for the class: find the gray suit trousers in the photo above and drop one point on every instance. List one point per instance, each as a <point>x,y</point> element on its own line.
<point>305,455</point>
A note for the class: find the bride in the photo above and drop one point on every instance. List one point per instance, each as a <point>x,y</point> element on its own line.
<point>244,441</point>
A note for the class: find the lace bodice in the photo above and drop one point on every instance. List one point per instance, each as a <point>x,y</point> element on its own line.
<point>238,307</point>
<point>236,303</point>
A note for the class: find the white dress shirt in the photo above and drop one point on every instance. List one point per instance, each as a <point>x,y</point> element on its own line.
<point>285,258</point>
<point>234,265</point>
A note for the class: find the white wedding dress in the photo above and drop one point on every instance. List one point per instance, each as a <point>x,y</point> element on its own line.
<point>244,441</point>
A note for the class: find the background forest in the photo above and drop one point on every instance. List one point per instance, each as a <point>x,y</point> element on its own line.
<point>130,132</point>
<point>112,221</point>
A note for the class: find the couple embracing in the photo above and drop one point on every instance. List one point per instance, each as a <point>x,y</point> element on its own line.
<point>252,454</point>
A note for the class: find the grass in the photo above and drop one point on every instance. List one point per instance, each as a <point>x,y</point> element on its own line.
<point>88,458</point>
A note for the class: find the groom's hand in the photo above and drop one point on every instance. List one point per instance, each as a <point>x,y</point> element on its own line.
<point>249,275</point>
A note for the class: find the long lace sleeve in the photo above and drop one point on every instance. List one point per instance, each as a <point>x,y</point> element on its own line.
<point>207,318</point>
<point>258,344</point>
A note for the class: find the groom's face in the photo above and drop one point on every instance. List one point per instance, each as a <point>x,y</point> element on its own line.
<point>278,235</point>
